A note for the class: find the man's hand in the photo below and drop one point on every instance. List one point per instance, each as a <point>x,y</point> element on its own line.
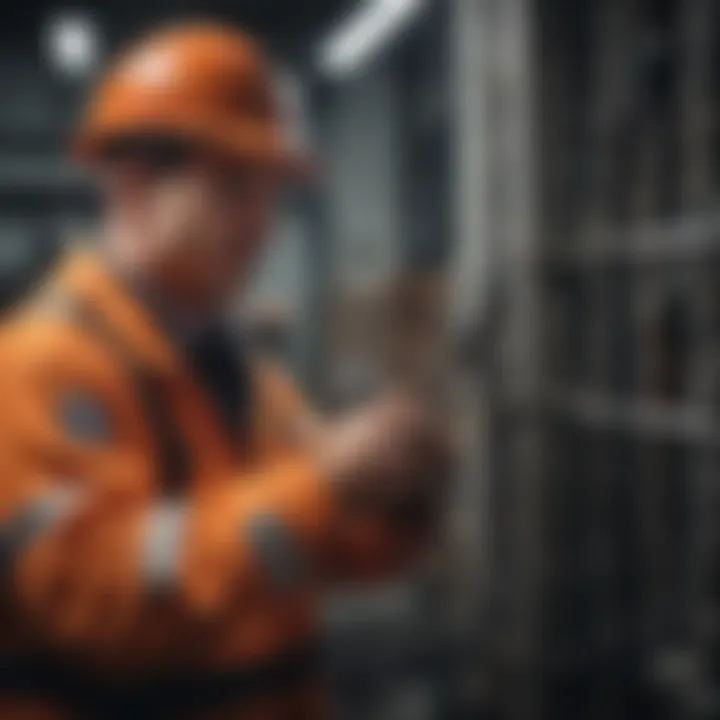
<point>390,460</point>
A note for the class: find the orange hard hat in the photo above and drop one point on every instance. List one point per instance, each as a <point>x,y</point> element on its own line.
<point>205,83</point>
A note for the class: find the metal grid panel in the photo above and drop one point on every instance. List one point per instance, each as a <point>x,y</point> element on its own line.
<point>634,381</point>
<point>628,268</point>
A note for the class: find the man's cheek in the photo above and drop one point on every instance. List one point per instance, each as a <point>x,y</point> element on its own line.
<point>224,258</point>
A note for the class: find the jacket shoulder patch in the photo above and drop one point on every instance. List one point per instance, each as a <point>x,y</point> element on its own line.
<point>84,417</point>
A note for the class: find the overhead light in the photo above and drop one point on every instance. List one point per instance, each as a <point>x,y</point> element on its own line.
<point>363,33</point>
<point>71,43</point>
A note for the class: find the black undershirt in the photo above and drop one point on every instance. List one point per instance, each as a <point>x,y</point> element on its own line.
<point>222,369</point>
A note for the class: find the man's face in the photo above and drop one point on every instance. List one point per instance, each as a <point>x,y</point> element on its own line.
<point>207,221</point>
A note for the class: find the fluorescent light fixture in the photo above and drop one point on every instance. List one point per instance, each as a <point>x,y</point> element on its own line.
<point>71,43</point>
<point>363,33</point>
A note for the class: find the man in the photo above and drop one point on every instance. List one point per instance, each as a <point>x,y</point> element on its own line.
<point>170,510</point>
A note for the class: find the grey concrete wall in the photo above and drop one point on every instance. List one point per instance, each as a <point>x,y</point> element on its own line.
<point>361,148</point>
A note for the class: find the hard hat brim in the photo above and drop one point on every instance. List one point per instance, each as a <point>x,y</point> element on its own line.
<point>255,144</point>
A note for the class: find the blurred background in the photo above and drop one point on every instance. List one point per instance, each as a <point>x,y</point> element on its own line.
<point>519,212</point>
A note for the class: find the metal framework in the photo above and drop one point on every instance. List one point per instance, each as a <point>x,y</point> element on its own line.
<point>603,431</point>
<point>628,261</point>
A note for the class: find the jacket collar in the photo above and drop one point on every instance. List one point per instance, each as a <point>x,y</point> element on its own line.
<point>137,321</point>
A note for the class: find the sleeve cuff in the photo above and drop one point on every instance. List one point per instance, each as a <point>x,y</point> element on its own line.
<point>272,527</point>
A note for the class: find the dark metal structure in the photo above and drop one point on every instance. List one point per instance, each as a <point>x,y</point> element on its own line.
<point>625,619</point>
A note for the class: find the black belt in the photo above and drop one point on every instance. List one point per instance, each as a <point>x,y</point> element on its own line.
<point>160,697</point>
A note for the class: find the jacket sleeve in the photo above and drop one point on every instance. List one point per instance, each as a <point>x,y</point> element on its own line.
<point>88,545</point>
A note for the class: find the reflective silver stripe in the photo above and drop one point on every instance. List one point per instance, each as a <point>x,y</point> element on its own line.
<point>36,518</point>
<point>162,546</point>
<point>273,542</point>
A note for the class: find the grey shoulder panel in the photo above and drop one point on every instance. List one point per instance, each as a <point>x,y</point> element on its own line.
<point>84,417</point>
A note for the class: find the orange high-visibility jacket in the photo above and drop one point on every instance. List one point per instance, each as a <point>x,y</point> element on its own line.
<point>127,591</point>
